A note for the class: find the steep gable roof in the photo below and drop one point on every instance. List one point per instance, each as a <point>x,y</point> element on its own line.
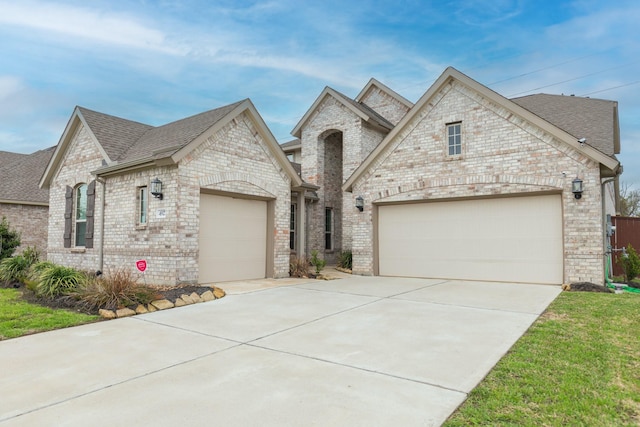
<point>130,145</point>
<point>445,78</point>
<point>115,135</point>
<point>373,83</point>
<point>359,109</point>
<point>593,119</point>
<point>175,135</point>
<point>19,176</point>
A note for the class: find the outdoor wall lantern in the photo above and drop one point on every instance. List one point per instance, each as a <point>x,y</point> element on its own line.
<point>360,203</point>
<point>576,187</point>
<point>156,188</point>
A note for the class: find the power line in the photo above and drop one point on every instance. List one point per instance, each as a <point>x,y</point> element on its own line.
<point>543,69</point>
<point>573,79</point>
<point>612,88</point>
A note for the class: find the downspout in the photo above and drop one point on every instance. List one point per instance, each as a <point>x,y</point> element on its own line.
<point>103,183</point>
<point>608,266</point>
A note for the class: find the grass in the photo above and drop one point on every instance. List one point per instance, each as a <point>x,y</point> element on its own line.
<point>18,318</point>
<point>578,365</point>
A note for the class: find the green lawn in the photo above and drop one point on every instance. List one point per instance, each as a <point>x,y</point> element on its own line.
<point>19,318</point>
<point>578,365</point>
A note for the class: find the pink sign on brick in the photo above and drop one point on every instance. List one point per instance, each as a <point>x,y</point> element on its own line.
<point>141,265</point>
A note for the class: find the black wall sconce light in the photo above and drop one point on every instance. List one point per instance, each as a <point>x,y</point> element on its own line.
<point>360,203</point>
<point>576,187</point>
<point>156,188</point>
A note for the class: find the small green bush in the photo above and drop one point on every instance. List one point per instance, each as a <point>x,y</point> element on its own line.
<point>630,264</point>
<point>114,291</point>
<point>9,239</point>
<point>59,280</point>
<point>14,269</point>
<point>318,263</point>
<point>345,259</point>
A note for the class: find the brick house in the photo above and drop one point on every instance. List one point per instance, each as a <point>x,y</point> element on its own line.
<point>22,202</point>
<point>222,212</point>
<point>465,184</point>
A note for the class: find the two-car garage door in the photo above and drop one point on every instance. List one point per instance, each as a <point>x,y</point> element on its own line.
<point>515,239</point>
<point>233,239</point>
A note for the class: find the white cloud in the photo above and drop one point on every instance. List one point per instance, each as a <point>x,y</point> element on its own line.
<point>85,23</point>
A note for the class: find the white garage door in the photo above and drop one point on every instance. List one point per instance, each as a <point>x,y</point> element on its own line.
<point>233,239</point>
<point>516,239</point>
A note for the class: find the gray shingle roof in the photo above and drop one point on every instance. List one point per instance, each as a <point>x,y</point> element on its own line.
<point>116,135</point>
<point>125,140</point>
<point>377,118</point>
<point>293,143</point>
<point>175,134</point>
<point>593,119</point>
<point>20,174</point>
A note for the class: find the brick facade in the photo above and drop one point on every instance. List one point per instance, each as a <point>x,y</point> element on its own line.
<point>335,141</point>
<point>502,154</point>
<point>31,222</point>
<point>234,160</point>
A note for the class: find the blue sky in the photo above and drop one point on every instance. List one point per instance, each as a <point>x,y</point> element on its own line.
<point>159,61</point>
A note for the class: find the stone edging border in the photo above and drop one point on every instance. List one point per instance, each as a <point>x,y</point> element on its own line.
<point>164,304</point>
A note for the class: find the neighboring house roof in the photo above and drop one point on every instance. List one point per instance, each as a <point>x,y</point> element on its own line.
<point>292,145</point>
<point>361,110</point>
<point>375,83</point>
<point>128,145</point>
<point>593,119</point>
<point>19,176</point>
<point>450,74</point>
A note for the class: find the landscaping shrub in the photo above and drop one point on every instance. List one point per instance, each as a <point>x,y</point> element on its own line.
<point>17,268</point>
<point>630,264</point>
<point>114,291</point>
<point>14,269</point>
<point>35,272</point>
<point>56,280</point>
<point>9,239</point>
<point>345,259</point>
<point>31,254</point>
<point>318,263</point>
<point>299,267</point>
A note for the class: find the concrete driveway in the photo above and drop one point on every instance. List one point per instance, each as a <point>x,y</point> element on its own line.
<point>360,351</point>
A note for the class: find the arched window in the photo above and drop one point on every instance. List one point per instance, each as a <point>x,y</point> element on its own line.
<point>80,214</point>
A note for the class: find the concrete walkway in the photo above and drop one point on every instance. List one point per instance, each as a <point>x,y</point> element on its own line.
<point>360,351</point>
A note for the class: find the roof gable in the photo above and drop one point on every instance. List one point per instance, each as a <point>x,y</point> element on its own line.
<point>373,83</point>
<point>359,109</point>
<point>452,74</point>
<point>116,135</point>
<point>133,145</point>
<point>76,120</point>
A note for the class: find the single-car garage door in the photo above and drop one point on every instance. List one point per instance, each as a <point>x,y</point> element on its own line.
<point>233,238</point>
<point>515,239</point>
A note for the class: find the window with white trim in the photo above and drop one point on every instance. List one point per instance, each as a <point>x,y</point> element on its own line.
<point>80,214</point>
<point>454,136</point>
<point>143,205</point>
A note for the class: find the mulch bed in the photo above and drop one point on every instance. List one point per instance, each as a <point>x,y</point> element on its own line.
<point>588,287</point>
<point>168,293</point>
